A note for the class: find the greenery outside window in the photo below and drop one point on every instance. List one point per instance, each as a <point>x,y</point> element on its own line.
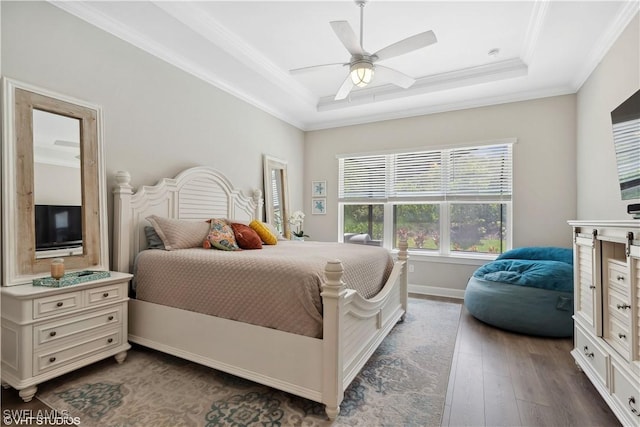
<point>360,220</point>
<point>444,202</point>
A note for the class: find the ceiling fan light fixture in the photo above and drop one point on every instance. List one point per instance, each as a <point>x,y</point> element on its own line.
<point>361,73</point>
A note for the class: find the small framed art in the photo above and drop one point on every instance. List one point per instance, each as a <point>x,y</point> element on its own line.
<point>318,188</point>
<point>318,206</point>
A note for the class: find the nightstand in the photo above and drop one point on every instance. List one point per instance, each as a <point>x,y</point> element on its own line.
<point>47,332</point>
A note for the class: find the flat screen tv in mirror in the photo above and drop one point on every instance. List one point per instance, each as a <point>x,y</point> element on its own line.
<point>626,138</point>
<point>58,227</point>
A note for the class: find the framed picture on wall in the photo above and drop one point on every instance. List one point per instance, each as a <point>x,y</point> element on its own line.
<point>318,206</point>
<point>318,188</point>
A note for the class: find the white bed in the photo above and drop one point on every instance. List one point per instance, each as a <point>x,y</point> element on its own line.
<point>317,369</point>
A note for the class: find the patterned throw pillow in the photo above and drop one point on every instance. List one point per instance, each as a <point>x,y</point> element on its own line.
<point>221,235</point>
<point>179,234</point>
<point>246,237</point>
<point>264,233</point>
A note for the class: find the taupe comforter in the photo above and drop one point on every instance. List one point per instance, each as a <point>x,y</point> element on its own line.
<point>277,286</point>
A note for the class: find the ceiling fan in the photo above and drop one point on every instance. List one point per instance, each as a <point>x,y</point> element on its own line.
<point>363,65</point>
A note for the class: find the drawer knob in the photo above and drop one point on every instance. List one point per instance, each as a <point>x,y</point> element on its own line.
<point>110,340</point>
<point>623,306</point>
<point>620,335</point>
<point>59,304</point>
<point>110,318</point>
<point>620,278</point>
<point>52,333</point>
<point>587,353</point>
<point>106,294</point>
<point>52,359</point>
<point>632,401</point>
<point>592,287</point>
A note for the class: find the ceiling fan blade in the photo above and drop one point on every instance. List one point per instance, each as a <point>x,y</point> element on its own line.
<point>316,67</point>
<point>394,76</point>
<point>348,38</point>
<point>407,45</point>
<point>344,90</point>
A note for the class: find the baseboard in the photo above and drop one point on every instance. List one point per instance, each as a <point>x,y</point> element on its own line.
<point>436,291</point>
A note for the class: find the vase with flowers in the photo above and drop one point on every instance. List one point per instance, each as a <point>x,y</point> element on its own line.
<point>296,220</point>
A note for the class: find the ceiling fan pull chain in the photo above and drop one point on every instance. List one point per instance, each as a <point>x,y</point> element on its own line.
<point>361,4</point>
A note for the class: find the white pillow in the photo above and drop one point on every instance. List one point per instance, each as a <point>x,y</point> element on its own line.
<point>179,234</point>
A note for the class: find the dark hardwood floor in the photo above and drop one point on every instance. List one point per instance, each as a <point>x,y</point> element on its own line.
<point>498,378</point>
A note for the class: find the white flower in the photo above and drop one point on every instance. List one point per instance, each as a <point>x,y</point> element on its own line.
<point>296,218</point>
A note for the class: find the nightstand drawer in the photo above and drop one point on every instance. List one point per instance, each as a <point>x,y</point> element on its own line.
<point>55,331</point>
<point>52,359</point>
<point>104,294</point>
<point>56,304</point>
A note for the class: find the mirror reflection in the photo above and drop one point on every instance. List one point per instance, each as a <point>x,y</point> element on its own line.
<point>53,184</point>
<point>276,199</point>
<point>57,184</point>
<point>276,194</point>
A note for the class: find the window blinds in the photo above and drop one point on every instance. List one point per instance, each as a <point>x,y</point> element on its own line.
<point>626,136</point>
<point>471,173</point>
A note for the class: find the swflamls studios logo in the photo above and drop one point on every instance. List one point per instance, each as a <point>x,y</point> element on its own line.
<point>28,417</point>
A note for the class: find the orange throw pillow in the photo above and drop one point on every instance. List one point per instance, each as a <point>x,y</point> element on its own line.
<point>246,237</point>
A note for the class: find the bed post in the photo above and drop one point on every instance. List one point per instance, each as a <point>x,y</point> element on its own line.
<point>259,202</point>
<point>333,294</point>
<point>403,255</point>
<point>122,221</point>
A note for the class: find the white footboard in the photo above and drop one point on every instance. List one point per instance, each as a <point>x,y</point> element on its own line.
<point>354,327</point>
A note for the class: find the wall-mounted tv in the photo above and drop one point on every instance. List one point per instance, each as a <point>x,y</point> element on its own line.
<point>626,138</point>
<point>58,227</point>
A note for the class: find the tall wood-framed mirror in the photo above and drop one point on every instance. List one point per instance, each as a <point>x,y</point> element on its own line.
<point>53,192</point>
<point>276,194</point>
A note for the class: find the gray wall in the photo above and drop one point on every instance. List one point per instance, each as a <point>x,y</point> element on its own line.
<point>613,81</point>
<point>158,119</point>
<point>544,172</point>
<point>51,185</point>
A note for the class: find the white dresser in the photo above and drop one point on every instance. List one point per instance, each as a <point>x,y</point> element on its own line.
<point>47,332</point>
<point>607,311</point>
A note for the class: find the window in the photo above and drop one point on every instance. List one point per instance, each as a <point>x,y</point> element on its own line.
<point>451,201</point>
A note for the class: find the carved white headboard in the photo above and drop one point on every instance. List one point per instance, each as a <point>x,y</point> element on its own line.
<point>196,194</point>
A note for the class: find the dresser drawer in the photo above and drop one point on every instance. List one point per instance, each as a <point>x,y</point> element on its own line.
<point>104,295</point>
<point>51,359</point>
<point>53,332</point>
<point>618,276</point>
<point>620,306</point>
<point>56,304</point>
<point>594,355</point>
<point>619,337</point>
<point>626,394</point>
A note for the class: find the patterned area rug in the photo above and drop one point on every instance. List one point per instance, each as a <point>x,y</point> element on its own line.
<point>403,384</point>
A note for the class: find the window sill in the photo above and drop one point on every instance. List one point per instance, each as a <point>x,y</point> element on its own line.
<point>466,259</point>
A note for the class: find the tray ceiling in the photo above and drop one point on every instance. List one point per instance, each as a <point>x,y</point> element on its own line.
<point>248,47</point>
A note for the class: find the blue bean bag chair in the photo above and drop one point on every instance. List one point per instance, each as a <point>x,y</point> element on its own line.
<point>526,290</point>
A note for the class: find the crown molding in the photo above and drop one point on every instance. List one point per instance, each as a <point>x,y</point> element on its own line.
<point>442,108</point>
<point>199,20</point>
<point>536,22</point>
<point>450,80</point>
<point>89,14</point>
<point>628,10</point>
